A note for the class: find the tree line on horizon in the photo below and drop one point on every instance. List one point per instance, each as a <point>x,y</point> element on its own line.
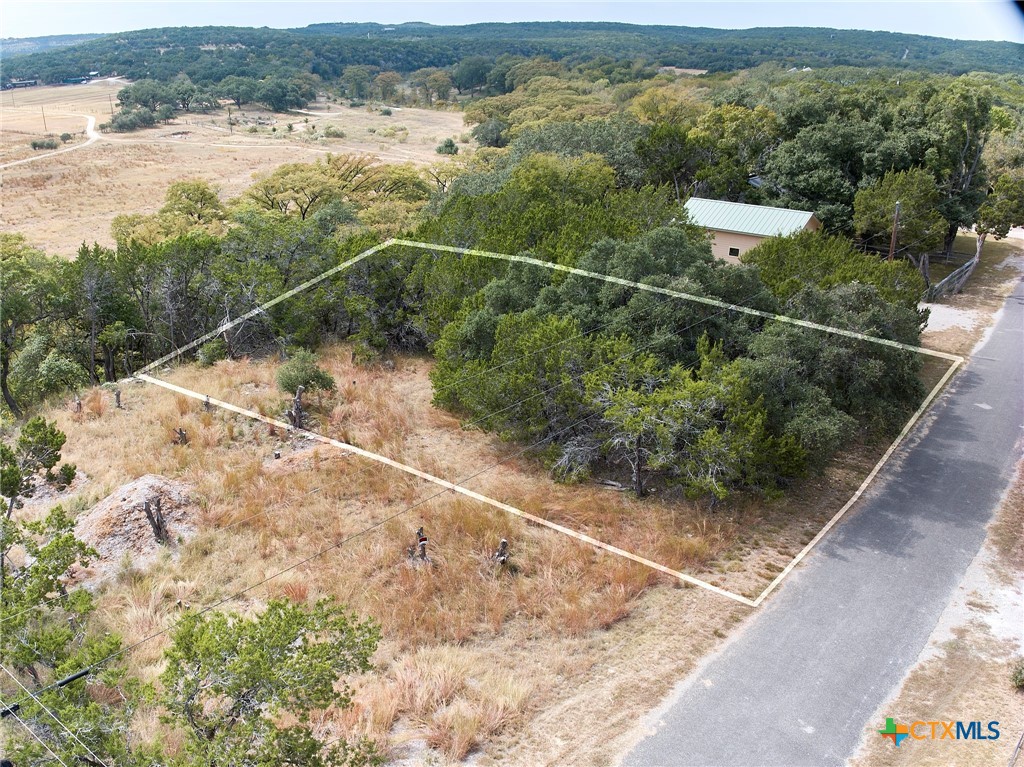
<point>209,54</point>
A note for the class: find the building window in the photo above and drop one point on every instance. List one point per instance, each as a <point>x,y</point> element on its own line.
<point>734,252</point>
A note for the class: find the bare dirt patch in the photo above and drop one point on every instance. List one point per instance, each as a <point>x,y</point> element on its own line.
<point>67,199</point>
<point>117,527</point>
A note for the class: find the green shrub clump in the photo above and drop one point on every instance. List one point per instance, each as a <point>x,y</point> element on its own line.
<point>1017,676</point>
<point>47,143</point>
<point>302,370</point>
<point>66,475</point>
<point>447,147</point>
<point>211,352</point>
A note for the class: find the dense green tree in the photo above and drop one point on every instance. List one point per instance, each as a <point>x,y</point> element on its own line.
<point>27,297</point>
<point>387,84</point>
<point>491,133</point>
<point>821,168</point>
<point>788,264</point>
<point>241,90</point>
<point>920,227</point>
<point>1004,208</point>
<point>295,188</point>
<point>668,157</point>
<point>357,80</point>
<point>471,73</point>
<point>194,200</point>
<point>229,679</point>
<point>41,370</point>
<point>148,94</point>
<point>730,143</point>
<point>961,118</point>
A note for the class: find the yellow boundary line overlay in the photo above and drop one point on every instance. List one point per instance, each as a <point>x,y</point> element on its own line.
<point>453,486</point>
<point>263,307</point>
<point>680,295</point>
<point>956,360</point>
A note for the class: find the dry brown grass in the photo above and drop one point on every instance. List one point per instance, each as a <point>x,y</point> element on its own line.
<point>1006,533</point>
<point>458,633</point>
<point>73,197</point>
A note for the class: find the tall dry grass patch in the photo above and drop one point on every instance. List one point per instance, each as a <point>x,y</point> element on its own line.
<point>260,515</point>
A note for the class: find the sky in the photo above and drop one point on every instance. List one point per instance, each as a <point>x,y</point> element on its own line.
<point>959,19</point>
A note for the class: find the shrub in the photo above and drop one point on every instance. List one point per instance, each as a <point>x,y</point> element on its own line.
<point>447,147</point>
<point>165,113</point>
<point>355,103</point>
<point>332,132</point>
<point>302,370</point>
<point>212,351</point>
<point>47,143</point>
<point>386,112</point>
<point>65,137</point>
<point>491,133</point>
<point>132,119</point>
<point>1017,675</point>
<point>66,475</point>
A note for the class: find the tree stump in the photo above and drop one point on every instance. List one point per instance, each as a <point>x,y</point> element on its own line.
<point>117,399</point>
<point>156,519</point>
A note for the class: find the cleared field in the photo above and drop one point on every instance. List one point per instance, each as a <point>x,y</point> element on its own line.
<point>62,200</point>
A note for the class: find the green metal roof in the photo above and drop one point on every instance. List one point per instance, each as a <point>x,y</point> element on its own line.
<point>738,217</point>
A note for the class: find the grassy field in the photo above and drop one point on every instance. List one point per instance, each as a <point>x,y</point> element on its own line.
<point>72,197</point>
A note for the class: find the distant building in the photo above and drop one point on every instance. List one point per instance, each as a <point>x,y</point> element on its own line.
<point>736,227</point>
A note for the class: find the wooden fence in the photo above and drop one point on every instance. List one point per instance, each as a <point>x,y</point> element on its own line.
<point>953,283</point>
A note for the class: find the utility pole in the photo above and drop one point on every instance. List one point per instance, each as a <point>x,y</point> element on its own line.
<point>895,225</point>
<point>43,110</point>
<point>111,101</point>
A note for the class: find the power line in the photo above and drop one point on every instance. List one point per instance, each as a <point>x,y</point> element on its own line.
<point>52,715</point>
<point>32,733</point>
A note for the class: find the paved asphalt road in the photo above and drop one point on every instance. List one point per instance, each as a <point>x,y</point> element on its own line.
<point>799,683</point>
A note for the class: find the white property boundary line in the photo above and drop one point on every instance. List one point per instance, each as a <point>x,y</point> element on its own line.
<point>956,360</point>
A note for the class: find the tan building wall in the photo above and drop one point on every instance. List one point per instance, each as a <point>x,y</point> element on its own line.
<point>723,242</point>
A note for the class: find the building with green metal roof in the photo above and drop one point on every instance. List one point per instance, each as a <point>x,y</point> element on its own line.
<point>737,227</point>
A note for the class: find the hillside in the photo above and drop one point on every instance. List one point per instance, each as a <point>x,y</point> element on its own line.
<point>213,53</point>
<point>19,46</point>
